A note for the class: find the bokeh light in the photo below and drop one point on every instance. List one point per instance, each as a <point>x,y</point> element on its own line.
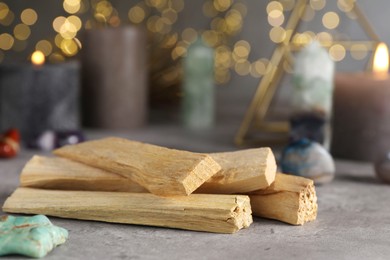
<point>359,51</point>
<point>324,37</point>
<point>44,46</point>
<point>330,20</point>
<point>337,52</point>
<point>22,32</point>
<point>242,68</point>
<point>274,6</point>
<point>136,14</point>
<point>189,35</point>
<point>222,5</point>
<point>69,47</point>
<point>4,10</point>
<point>72,6</point>
<point>317,4</point>
<point>275,17</point>
<point>346,5</point>
<point>6,41</point>
<point>277,34</point>
<point>37,58</point>
<point>29,16</point>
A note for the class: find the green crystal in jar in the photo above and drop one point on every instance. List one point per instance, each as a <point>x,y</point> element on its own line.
<point>29,236</point>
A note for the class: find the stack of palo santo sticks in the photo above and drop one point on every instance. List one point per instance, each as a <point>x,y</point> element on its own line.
<point>122,181</point>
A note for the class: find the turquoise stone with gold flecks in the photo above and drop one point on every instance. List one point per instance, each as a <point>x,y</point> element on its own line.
<point>29,236</point>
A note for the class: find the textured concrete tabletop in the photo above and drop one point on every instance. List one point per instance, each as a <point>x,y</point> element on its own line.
<point>353,220</point>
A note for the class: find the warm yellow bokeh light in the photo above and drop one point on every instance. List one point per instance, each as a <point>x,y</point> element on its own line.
<point>324,37</point>
<point>346,5</point>
<point>277,34</point>
<point>29,16</point>
<point>242,68</point>
<point>76,21</point>
<point>317,4</point>
<point>222,5</point>
<point>177,5</point>
<point>22,32</point>
<point>56,58</point>
<point>44,46</point>
<point>359,51</point>
<point>242,49</point>
<point>4,10</point>
<point>69,47</point>
<point>6,41</point>
<point>189,35</point>
<point>136,14</point>
<point>170,14</point>
<point>58,22</point>
<point>258,68</point>
<point>71,6</point>
<point>275,18</point>
<point>330,20</point>
<point>211,37</point>
<point>274,6</point>
<point>337,52</point>
<point>8,19</point>
<point>241,8</point>
<point>222,76</point>
<point>38,58</point>
<point>223,57</point>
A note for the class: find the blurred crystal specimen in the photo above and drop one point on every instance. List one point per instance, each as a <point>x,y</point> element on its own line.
<point>312,95</point>
<point>29,236</point>
<point>198,101</point>
<point>308,159</point>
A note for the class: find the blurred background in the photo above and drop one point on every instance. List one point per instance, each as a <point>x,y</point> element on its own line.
<point>242,33</point>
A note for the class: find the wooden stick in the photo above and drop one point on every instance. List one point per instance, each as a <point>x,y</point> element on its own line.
<point>160,170</point>
<point>242,171</point>
<point>290,199</point>
<point>64,174</point>
<point>201,212</point>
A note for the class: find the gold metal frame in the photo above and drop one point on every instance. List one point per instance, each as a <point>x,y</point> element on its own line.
<point>258,108</point>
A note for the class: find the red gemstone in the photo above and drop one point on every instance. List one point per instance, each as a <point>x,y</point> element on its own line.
<point>6,150</point>
<point>14,134</point>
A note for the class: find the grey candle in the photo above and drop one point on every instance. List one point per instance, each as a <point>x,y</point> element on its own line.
<point>36,98</point>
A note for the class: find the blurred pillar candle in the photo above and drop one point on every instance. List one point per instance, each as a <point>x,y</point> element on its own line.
<point>198,87</point>
<point>35,98</point>
<point>362,113</point>
<point>114,76</point>
<point>312,95</point>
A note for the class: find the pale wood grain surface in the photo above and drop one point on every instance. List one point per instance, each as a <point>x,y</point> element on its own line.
<point>200,212</point>
<point>160,170</point>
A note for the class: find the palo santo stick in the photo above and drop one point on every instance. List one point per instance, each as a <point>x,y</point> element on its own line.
<point>290,199</point>
<point>63,174</point>
<point>160,170</point>
<point>201,212</point>
<point>242,171</point>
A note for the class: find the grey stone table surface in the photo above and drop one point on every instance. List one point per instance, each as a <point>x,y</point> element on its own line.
<point>353,219</point>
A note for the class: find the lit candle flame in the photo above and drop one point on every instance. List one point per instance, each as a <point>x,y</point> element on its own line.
<point>38,58</point>
<point>381,61</point>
